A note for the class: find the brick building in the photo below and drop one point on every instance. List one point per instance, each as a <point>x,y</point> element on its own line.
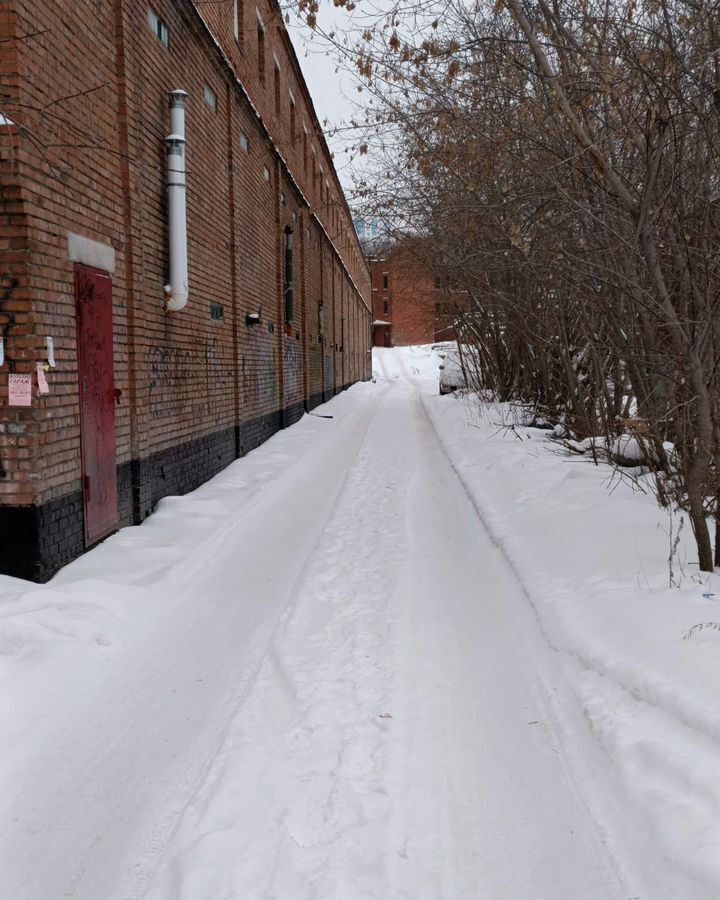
<point>409,305</point>
<point>142,402</point>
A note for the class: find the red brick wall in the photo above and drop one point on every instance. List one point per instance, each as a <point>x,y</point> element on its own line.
<point>18,432</point>
<point>329,206</point>
<point>410,296</point>
<point>91,92</point>
<point>67,106</point>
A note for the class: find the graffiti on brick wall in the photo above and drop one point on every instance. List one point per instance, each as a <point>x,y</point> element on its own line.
<point>169,381</point>
<point>218,378</point>
<point>328,374</point>
<point>258,373</point>
<point>292,371</point>
<point>187,380</point>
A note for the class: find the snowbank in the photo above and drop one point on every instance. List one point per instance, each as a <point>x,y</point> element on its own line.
<point>119,676</point>
<point>592,552</point>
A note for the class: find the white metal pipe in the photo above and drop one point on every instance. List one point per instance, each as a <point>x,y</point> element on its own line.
<point>177,290</point>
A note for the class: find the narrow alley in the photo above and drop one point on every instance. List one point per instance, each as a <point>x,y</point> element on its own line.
<point>341,693</point>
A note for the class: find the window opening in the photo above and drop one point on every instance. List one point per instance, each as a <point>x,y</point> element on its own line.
<point>237,19</point>
<point>289,276</point>
<point>210,98</point>
<point>158,27</point>
<point>261,50</point>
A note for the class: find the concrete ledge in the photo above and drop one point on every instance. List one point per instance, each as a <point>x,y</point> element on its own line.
<point>91,253</point>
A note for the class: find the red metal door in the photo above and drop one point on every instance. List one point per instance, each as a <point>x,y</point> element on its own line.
<point>93,295</point>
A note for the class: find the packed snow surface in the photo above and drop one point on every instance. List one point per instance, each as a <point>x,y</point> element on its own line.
<point>406,652</point>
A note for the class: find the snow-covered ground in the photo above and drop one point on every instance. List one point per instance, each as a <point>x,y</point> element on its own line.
<point>399,653</point>
<point>593,554</point>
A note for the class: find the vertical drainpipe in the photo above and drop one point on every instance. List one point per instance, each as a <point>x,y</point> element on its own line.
<point>176,292</point>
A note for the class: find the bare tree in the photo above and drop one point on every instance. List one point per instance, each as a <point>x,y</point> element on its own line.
<point>560,163</point>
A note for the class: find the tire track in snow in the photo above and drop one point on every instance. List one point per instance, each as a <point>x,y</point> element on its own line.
<point>306,752</point>
<point>557,697</point>
<point>264,654</point>
<point>499,789</point>
<point>358,766</point>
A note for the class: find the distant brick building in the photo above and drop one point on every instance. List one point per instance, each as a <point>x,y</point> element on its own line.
<point>142,402</point>
<point>409,305</point>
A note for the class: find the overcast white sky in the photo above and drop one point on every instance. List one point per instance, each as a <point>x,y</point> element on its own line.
<point>334,90</point>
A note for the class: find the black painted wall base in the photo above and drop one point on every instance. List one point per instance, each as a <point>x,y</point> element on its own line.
<point>315,400</point>
<point>36,541</point>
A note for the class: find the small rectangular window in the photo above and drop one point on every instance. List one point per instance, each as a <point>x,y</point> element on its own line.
<point>276,84</point>
<point>266,173</point>
<point>289,277</point>
<point>158,27</point>
<point>210,97</point>
<point>293,135</point>
<point>237,20</point>
<point>305,149</point>
<point>244,143</point>
<point>385,281</point>
<point>261,50</point>
<point>386,308</point>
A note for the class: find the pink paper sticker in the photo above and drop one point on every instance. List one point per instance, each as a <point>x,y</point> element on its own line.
<point>42,380</point>
<point>20,390</point>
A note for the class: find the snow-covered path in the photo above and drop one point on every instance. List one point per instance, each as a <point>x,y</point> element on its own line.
<point>344,695</point>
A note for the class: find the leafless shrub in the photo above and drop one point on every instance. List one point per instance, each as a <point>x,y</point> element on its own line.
<point>557,164</point>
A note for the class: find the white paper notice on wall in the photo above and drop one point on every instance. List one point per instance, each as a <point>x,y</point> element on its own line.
<point>43,386</point>
<point>2,350</point>
<point>50,352</point>
<point>19,390</point>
